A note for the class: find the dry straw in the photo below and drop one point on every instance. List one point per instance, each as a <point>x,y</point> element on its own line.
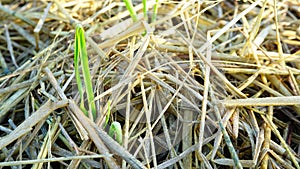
<point>188,84</point>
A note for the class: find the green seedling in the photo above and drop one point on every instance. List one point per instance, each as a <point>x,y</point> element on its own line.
<point>108,113</point>
<point>132,12</point>
<point>80,56</point>
<point>145,10</point>
<point>155,9</point>
<point>115,129</point>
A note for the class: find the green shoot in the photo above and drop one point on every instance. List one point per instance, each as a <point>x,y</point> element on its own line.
<point>132,12</point>
<point>115,131</point>
<point>108,113</point>
<point>145,10</point>
<point>155,8</point>
<point>77,74</point>
<point>80,55</point>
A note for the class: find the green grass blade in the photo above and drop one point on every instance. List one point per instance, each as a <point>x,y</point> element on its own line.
<point>145,10</point>
<point>155,9</point>
<point>108,113</point>
<point>115,131</point>
<point>77,71</point>
<point>132,12</point>
<point>81,45</point>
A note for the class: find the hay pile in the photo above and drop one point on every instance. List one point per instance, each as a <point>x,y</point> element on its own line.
<point>210,84</point>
